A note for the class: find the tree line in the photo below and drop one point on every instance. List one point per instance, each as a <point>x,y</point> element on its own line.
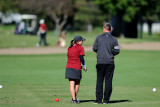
<point>77,14</point>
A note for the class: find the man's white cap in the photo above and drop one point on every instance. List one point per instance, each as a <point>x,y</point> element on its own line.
<point>41,21</point>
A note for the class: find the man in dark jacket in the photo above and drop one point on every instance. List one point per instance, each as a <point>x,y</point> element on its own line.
<point>106,47</point>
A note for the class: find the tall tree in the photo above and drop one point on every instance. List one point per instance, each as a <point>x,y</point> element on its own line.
<point>150,13</point>
<point>85,13</point>
<point>128,10</point>
<point>8,6</point>
<point>58,10</point>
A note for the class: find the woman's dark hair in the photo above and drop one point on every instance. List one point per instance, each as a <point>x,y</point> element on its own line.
<point>72,43</point>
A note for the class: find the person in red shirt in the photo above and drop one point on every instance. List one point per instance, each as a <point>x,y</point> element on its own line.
<point>43,32</point>
<point>73,68</point>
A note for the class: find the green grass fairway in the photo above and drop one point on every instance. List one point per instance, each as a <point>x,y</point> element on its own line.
<point>36,80</point>
<point>9,40</point>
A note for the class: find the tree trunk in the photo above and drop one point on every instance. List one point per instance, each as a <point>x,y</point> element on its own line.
<point>130,28</point>
<point>59,30</point>
<point>117,25</point>
<point>59,25</point>
<point>141,27</point>
<point>141,30</point>
<point>150,26</point>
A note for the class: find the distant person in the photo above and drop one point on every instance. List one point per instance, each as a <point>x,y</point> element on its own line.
<point>17,29</point>
<point>106,47</point>
<point>89,28</point>
<point>33,26</point>
<point>42,32</point>
<point>62,41</point>
<point>73,72</point>
<point>20,28</point>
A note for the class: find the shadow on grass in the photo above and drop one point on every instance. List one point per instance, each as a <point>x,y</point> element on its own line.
<point>119,101</point>
<point>113,101</point>
<point>84,101</point>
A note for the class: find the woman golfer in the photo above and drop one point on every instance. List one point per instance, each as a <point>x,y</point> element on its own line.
<point>73,69</point>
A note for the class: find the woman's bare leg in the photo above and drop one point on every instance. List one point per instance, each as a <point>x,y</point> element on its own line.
<point>72,88</point>
<point>77,83</point>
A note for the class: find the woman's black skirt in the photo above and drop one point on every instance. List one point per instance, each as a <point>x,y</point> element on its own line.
<point>73,73</point>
